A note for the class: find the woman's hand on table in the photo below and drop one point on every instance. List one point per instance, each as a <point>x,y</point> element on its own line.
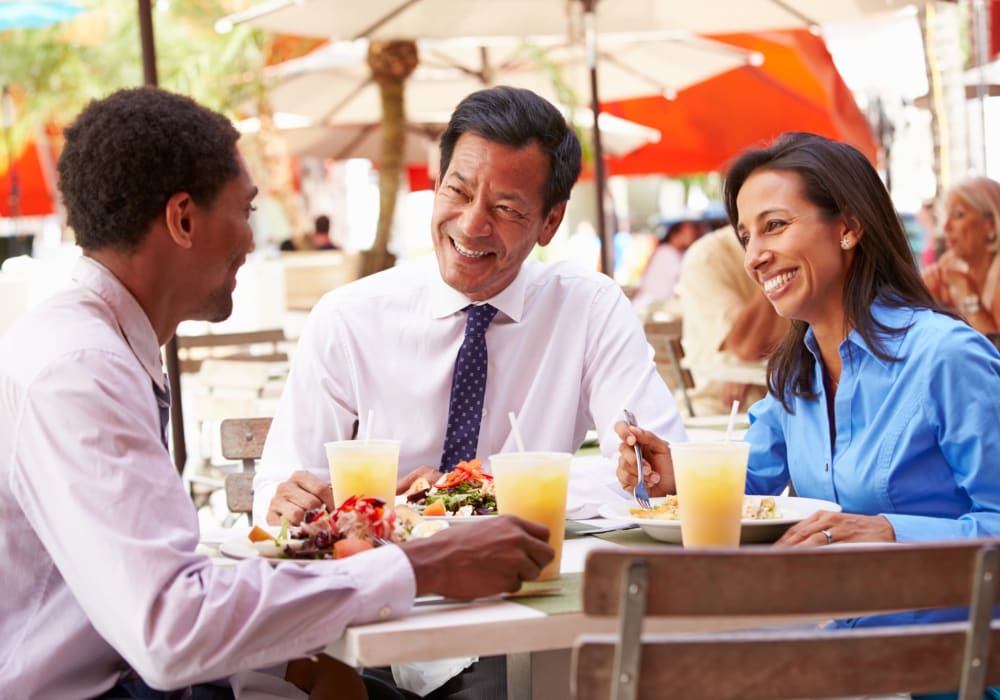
<point>303,492</point>
<point>657,469</point>
<point>827,527</point>
<point>490,557</point>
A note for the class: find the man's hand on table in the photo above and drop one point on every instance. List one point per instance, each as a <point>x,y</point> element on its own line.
<point>405,482</point>
<point>472,561</point>
<point>303,492</point>
<point>657,469</point>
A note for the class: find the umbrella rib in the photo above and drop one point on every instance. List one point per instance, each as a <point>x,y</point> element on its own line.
<point>483,74</point>
<point>387,17</point>
<point>655,83</point>
<point>349,148</point>
<point>332,112</point>
<point>809,21</point>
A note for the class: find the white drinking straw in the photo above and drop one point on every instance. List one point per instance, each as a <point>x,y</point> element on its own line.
<point>732,420</point>
<point>517,433</point>
<point>368,425</point>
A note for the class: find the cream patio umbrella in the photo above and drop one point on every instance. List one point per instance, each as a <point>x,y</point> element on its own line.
<point>413,19</point>
<point>332,85</point>
<point>426,19</point>
<point>363,140</point>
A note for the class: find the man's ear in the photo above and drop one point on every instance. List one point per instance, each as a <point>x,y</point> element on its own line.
<point>178,214</point>
<point>551,223</point>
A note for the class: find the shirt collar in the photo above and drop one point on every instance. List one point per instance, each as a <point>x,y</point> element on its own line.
<point>132,320</point>
<point>446,301</point>
<point>890,316</point>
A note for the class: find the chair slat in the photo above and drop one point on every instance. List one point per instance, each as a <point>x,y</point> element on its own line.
<point>784,581</point>
<point>794,664</point>
<point>209,340</point>
<point>243,438</point>
<point>239,492</point>
<point>801,661</point>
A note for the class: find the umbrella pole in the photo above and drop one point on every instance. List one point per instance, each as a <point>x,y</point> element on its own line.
<point>170,349</point>
<point>979,23</point>
<point>606,237</point>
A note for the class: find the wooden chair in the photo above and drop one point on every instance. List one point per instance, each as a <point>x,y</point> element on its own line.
<point>254,346</point>
<point>310,275</point>
<point>243,439</point>
<point>665,338</point>
<point>789,662</point>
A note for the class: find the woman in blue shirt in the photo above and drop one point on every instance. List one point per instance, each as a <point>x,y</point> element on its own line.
<point>878,399</point>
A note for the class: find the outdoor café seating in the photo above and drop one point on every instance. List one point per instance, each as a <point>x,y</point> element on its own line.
<point>794,661</point>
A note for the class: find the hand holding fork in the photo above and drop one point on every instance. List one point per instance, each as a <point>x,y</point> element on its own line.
<point>641,494</point>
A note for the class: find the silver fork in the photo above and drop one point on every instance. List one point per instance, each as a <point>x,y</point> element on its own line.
<point>641,494</point>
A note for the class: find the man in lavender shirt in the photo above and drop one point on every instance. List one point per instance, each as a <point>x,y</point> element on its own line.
<point>104,594</point>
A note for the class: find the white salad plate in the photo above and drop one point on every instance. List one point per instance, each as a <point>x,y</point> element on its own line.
<point>792,509</point>
<point>243,548</point>
<point>459,519</point>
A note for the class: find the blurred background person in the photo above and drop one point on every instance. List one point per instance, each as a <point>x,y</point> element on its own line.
<point>664,267</point>
<point>321,234</point>
<point>727,320</point>
<point>926,216</point>
<point>317,239</point>
<point>966,276</point>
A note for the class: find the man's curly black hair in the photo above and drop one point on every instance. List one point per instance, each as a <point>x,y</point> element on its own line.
<point>127,154</point>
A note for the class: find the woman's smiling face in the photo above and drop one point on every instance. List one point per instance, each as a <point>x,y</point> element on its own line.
<point>793,251</point>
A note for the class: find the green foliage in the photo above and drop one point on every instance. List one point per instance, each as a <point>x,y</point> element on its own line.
<point>53,72</point>
<point>565,94</point>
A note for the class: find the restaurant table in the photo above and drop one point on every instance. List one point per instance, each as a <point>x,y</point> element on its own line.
<point>535,633</point>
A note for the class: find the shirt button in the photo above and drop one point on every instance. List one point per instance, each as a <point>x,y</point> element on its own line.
<point>384,612</point>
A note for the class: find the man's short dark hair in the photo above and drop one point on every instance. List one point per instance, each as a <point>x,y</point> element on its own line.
<point>322,224</point>
<point>517,118</point>
<point>127,154</point>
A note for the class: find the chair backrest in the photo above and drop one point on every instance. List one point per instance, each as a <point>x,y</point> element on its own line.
<point>243,439</point>
<point>252,346</point>
<point>665,339</point>
<point>790,662</point>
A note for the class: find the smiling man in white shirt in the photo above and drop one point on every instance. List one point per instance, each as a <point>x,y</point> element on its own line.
<point>104,594</point>
<point>565,350</point>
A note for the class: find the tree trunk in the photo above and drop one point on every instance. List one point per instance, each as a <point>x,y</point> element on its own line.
<point>391,63</point>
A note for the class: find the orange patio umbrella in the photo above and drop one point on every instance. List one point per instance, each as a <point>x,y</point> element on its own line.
<point>797,88</point>
<point>27,187</point>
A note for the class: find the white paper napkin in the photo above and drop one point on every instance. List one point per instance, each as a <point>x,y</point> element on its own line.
<point>267,684</point>
<point>424,677</point>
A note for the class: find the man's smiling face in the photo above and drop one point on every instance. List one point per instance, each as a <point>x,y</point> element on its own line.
<point>488,214</point>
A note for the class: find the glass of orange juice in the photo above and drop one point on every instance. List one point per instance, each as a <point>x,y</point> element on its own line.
<point>363,468</point>
<point>533,485</point>
<point>711,479</point>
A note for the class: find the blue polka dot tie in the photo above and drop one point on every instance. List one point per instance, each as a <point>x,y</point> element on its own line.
<point>468,386</point>
<point>163,403</point>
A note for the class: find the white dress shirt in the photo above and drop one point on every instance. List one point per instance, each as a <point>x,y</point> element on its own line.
<point>566,352</point>
<point>98,538</point>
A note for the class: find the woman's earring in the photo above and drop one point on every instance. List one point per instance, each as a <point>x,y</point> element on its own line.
<point>845,244</point>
